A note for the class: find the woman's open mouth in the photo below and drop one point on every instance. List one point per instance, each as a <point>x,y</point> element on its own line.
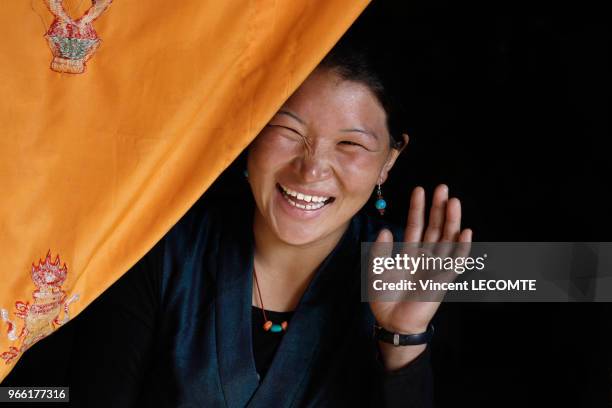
<point>304,201</point>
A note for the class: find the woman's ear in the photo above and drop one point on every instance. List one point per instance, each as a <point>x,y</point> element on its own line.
<point>403,146</point>
<point>392,157</point>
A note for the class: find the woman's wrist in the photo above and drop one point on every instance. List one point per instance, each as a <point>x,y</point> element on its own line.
<point>394,358</point>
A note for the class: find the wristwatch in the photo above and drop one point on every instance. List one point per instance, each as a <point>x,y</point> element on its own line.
<point>398,339</point>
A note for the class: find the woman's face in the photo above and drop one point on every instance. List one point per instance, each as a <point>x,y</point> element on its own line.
<point>318,160</point>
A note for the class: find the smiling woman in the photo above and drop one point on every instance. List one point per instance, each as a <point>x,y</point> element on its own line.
<point>259,303</point>
<point>323,143</point>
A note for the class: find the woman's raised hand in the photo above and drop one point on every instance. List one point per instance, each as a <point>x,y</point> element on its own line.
<point>443,229</point>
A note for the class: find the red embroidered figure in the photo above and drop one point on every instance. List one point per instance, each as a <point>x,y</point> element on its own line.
<point>73,42</point>
<point>41,317</point>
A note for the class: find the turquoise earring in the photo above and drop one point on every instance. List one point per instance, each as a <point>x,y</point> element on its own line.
<point>246,173</point>
<point>380,204</point>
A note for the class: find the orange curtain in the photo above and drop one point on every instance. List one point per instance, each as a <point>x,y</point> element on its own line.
<point>116,117</point>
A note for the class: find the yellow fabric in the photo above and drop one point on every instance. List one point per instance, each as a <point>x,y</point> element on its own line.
<point>95,167</point>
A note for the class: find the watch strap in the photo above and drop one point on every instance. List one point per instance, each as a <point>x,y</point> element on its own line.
<point>399,339</point>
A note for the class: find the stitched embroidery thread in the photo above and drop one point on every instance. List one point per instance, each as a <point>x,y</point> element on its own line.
<point>41,317</point>
<point>73,42</point>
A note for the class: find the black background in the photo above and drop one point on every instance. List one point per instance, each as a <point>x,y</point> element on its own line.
<point>507,103</point>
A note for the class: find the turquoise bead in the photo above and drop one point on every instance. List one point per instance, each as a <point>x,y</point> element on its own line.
<point>381,204</point>
<point>276,328</point>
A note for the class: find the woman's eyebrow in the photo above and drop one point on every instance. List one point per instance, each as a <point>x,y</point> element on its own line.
<point>293,115</point>
<point>365,132</point>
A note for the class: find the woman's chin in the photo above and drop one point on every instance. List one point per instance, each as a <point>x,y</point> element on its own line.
<point>297,232</point>
<point>299,240</point>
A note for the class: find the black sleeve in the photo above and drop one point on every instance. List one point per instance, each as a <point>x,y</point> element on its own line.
<point>410,386</point>
<point>114,338</point>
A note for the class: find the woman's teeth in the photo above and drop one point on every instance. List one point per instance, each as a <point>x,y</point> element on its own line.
<point>305,207</point>
<point>304,197</point>
<point>316,202</point>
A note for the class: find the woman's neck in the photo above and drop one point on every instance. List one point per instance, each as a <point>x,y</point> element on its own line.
<point>284,270</point>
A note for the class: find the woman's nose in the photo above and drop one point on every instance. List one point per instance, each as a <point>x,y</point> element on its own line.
<point>314,165</point>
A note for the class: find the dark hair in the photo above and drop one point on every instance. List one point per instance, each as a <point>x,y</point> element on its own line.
<point>357,63</point>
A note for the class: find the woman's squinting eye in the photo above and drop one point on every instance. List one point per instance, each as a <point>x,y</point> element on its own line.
<point>292,130</point>
<point>353,144</point>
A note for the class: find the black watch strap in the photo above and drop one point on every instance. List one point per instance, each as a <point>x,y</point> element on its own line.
<point>398,339</point>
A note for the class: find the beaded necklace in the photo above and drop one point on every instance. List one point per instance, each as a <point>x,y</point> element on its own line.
<point>268,325</point>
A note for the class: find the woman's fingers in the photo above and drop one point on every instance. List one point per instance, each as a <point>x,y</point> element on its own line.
<point>382,248</point>
<point>437,215</point>
<point>452,225</point>
<point>451,229</point>
<point>444,218</point>
<point>466,236</point>
<point>464,244</point>
<point>416,216</point>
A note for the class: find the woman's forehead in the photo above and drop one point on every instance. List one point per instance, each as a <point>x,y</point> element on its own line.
<point>326,98</point>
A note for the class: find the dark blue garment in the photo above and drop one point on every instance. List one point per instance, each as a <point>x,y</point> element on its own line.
<point>176,330</point>
<point>327,356</point>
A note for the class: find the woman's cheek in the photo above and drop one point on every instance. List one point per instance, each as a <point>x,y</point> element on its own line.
<point>271,151</point>
<point>360,171</point>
